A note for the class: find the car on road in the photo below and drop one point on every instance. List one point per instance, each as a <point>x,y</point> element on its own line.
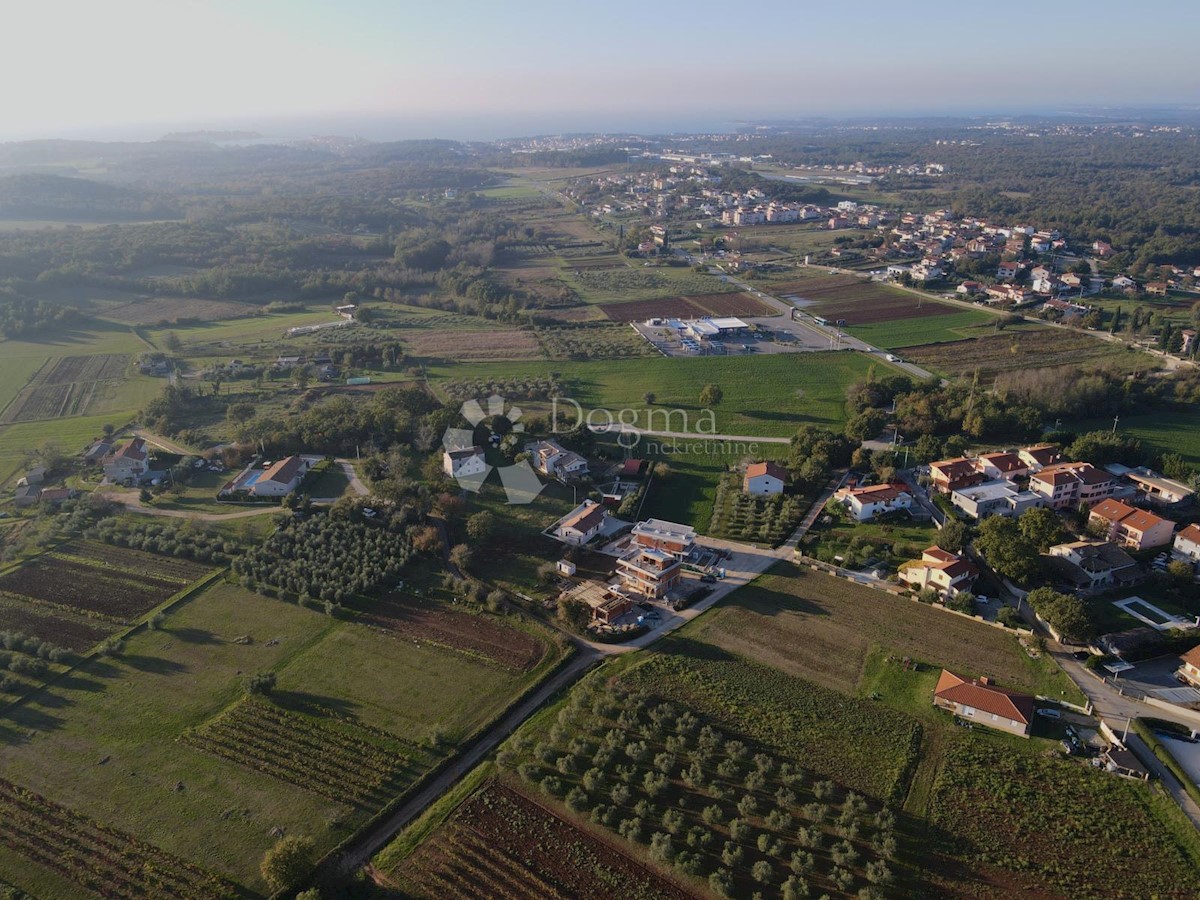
<point>1080,655</point>
<point>891,357</point>
<point>1049,713</point>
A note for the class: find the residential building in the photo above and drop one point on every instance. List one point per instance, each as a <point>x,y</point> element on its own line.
<point>1005,465</point>
<point>982,703</point>
<point>946,572</point>
<point>1039,456</point>
<point>464,463</point>
<point>581,524</point>
<point>866,503</point>
<point>1156,489</point>
<point>995,498</point>
<point>1131,527</point>
<point>36,475</point>
<point>1007,271</point>
<point>656,534</point>
<point>1092,565</point>
<point>1187,544</point>
<point>280,478</point>
<point>555,461</point>
<point>1069,484</point>
<point>26,495</point>
<point>1156,288</point>
<point>970,288</point>
<point>55,496</point>
<point>1124,283</point>
<point>1190,670</point>
<point>764,479</point>
<point>651,573</point>
<point>954,474</point>
<point>128,464</point>
<point>97,450</point>
<point>606,601</point>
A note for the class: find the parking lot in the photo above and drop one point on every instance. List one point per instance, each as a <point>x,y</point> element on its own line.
<point>778,335</point>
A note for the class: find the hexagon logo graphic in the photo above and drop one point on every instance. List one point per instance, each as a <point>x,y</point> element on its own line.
<point>521,484</point>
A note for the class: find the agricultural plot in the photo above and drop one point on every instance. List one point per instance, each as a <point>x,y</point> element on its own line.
<point>593,340</point>
<point>709,800</point>
<point>693,306</point>
<point>66,386</point>
<point>14,373</point>
<point>1037,816</point>
<point>803,388</point>
<point>518,849</point>
<point>822,628</point>
<point>865,747</point>
<point>169,310</point>
<point>471,345</point>
<point>741,517</point>
<point>1033,347</point>
<point>611,285</point>
<point>95,859</point>
<point>408,618</point>
<point>863,303</point>
<point>355,717</point>
<point>83,592</point>
<point>341,761</point>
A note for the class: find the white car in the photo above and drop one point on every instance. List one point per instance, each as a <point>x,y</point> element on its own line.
<point>891,357</point>
<point>1050,713</point>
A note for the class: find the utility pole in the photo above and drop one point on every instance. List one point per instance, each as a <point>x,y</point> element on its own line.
<point>1116,419</point>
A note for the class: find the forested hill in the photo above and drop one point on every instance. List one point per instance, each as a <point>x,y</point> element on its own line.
<point>41,196</point>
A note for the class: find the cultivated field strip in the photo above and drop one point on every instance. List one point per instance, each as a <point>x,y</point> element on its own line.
<point>342,763</point>
<point>501,842</point>
<point>99,859</point>
<point>65,387</point>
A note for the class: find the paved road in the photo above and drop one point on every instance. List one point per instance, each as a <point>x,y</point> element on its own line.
<point>374,840</point>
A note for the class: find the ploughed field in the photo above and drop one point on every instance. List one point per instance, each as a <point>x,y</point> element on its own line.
<point>858,301</point>
<point>520,849</point>
<point>692,306</point>
<point>407,619</point>
<point>84,591</point>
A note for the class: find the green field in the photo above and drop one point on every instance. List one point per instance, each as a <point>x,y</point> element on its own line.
<point>1166,431</point>
<point>106,741</point>
<point>927,330</point>
<point>14,372</point>
<point>90,337</point>
<point>763,396</point>
<point>628,283</point>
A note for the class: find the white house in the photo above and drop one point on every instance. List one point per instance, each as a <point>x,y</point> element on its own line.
<point>129,463</point>
<point>1187,544</point>
<point>464,462</point>
<point>764,479</point>
<point>868,502</point>
<point>281,478</point>
<point>994,498</point>
<point>581,524</point>
<point>945,572</point>
<point>1092,565</point>
<point>555,461</point>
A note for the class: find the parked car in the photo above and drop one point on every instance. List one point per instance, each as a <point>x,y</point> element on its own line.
<point>1050,713</point>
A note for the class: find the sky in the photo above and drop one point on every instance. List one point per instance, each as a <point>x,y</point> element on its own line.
<point>482,68</point>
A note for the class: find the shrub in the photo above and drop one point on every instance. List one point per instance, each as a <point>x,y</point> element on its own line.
<point>285,864</point>
<point>262,683</point>
<point>761,872</point>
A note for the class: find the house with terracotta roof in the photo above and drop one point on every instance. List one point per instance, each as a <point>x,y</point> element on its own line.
<point>982,703</point>
<point>764,479</point>
<point>954,474</point>
<point>945,572</point>
<point>1068,484</point>
<point>1039,456</point>
<point>1190,670</point>
<point>280,478</point>
<point>129,463</point>
<point>1129,526</point>
<point>1004,465</point>
<point>581,524</point>
<point>1187,545</point>
<point>865,503</point>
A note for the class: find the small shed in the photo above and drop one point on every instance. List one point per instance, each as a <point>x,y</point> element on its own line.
<point>566,567</point>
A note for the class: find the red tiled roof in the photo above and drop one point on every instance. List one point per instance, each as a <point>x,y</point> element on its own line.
<point>879,492</point>
<point>1192,657</point>
<point>283,471</point>
<point>1112,510</point>
<point>135,450</point>
<point>754,470</point>
<point>939,555</point>
<point>986,698</point>
<point>952,469</point>
<point>1190,533</point>
<point>1005,462</point>
<point>585,519</point>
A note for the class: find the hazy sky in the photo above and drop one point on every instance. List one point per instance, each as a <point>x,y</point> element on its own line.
<point>73,67</point>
